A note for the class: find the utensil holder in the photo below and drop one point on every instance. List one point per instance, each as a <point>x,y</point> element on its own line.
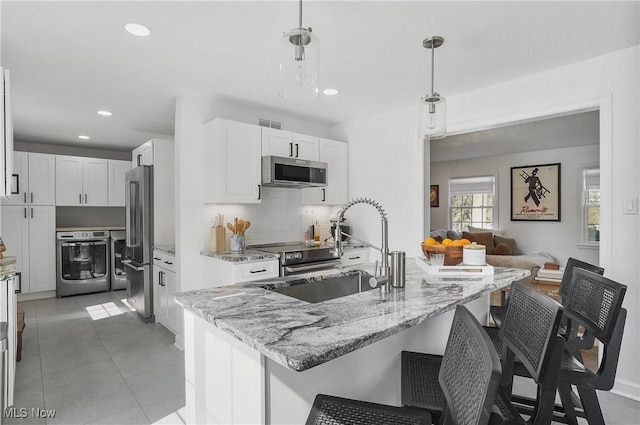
<point>238,243</point>
<point>217,240</point>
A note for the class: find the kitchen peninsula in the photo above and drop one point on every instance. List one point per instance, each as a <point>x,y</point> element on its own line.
<point>256,356</point>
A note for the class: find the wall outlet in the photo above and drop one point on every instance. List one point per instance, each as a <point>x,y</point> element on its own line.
<point>630,206</point>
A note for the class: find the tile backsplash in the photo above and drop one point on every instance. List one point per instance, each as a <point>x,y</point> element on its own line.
<point>279,218</point>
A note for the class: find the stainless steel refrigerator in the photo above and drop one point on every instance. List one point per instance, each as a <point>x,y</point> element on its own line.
<point>138,255</point>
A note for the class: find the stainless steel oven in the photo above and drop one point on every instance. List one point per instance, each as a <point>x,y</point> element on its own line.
<point>298,257</point>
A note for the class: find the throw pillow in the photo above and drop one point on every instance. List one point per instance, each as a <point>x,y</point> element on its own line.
<point>511,242</point>
<point>440,233</point>
<point>502,249</point>
<point>495,232</point>
<point>454,234</point>
<point>485,239</point>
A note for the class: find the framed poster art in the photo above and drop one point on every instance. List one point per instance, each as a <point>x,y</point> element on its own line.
<point>535,193</point>
<point>434,195</point>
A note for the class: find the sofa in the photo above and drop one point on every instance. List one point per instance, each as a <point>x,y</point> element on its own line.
<point>502,251</point>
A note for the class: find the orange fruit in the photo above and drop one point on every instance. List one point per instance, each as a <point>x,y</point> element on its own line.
<point>446,242</point>
<point>430,241</point>
<point>465,241</point>
<point>457,242</point>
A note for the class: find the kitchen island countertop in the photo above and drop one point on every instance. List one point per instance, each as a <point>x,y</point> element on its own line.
<point>301,335</point>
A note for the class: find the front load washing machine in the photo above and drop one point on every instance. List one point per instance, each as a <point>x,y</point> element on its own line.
<point>82,262</point>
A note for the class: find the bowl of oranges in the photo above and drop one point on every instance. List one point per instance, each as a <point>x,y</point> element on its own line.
<point>452,249</point>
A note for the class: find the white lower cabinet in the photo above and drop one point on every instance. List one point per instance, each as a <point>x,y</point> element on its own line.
<point>165,309</point>
<point>351,257</point>
<point>29,233</point>
<point>8,314</point>
<point>218,272</point>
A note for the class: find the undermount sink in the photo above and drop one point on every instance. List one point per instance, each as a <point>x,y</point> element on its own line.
<point>327,288</point>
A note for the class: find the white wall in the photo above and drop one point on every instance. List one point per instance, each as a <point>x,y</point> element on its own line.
<point>386,163</point>
<point>560,239</point>
<point>192,215</point>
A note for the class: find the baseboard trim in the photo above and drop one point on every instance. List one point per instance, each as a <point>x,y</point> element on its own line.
<point>627,389</point>
<point>36,295</point>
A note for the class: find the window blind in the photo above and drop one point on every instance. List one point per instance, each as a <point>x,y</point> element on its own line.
<point>592,178</point>
<point>482,184</point>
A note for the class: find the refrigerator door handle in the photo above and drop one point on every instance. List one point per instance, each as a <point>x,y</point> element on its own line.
<point>130,264</point>
<point>132,228</point>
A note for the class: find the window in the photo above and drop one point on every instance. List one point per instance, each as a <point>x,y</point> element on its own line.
<point>591,205</point>
<point>471,202</point>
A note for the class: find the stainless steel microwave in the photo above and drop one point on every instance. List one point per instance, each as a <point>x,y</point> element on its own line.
<point>293,172</point>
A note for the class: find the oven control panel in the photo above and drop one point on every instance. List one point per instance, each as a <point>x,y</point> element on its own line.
<point>290,256</point>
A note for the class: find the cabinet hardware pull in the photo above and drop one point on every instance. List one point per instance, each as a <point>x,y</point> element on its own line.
<point>31,212</point>
<point>139,159</point>
<point>290,150</point>
<point>160,278</point>
<point>85,198</point>
<point>25,212</point>
<point>32,197</point>
<point>258,271</point>
<point>80,198</point>
<point>259,192</point>
<point>156,258</point>
<point>168,262</point>
<point>354,258</point>
<point>297,150</point>
<point>25,197</point>
<point>324,197</point>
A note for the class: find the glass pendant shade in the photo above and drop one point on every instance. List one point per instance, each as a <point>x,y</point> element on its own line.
<point>299,63</point>
<point>433,117</point>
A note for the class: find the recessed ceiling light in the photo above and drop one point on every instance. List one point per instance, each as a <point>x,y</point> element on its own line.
<point>84,137</point>
<point>331,92</point>
<point>105,113</point>
<point>137,29</point>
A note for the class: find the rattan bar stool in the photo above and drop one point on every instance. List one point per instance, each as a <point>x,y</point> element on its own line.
<point>535,341</point>
<point>468,392</point>
<point>498,312</point>
<point>595,305</point>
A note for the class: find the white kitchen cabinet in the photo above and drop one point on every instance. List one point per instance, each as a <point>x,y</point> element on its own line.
<point>286,144</point>
<point>232,158</point>
<point>117,171</point>
<point>8,314</point>
<point>335,154</point>
<point>219,272</point>
<point>351,257</point>
<point>29,233</point>
<point>165,309</point>
<point>81,181</point>
<point>6,134</point>
<point>143,154</point>
<point>33,179</point>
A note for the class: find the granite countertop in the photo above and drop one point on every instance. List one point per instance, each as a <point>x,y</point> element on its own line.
<point>85,229</point>
<point>7,267</point>
<point>301,335</point>
<point>238,257</point>
<point>167,249</point>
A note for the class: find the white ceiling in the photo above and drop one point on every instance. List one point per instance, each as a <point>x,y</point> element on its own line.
<point>69,59</point>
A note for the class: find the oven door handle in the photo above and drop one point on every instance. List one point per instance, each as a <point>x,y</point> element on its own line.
<point>319,266</point>
<point>130,264</point>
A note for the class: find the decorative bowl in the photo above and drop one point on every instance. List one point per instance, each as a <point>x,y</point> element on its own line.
<point>452,254</point>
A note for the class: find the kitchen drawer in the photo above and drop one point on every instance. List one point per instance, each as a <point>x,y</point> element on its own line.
<point>355,256</point>
<point>255,271</point>
<point>162,259</point>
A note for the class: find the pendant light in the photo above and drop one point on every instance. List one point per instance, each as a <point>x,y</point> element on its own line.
<point>433,107</point>
<point>299,64</point>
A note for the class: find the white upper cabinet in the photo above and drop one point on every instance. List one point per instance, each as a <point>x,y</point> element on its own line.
<point>143,154</point>
<point>117,171</point>
<point>42,178</point>
<point>81,181</point>
<point>335,154</point>
<point>33,180</point>
<point>95,177</point>
<point>306,147</point>
<point>289,145</point>
<point>233,162</point>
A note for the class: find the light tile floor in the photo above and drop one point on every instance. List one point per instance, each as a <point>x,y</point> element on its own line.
<point>94,361</point>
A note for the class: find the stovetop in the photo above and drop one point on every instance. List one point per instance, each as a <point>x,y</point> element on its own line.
<point>290,246</point>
